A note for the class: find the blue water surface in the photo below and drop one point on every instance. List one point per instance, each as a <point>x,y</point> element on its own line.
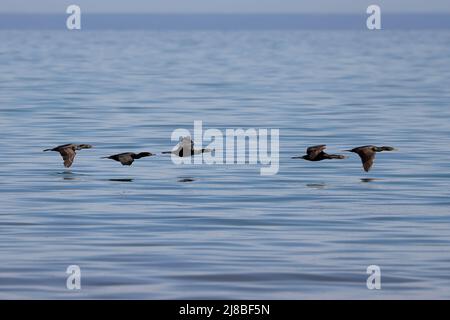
<point>157,230</point>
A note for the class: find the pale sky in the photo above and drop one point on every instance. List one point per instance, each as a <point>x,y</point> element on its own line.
<point>224,6</point>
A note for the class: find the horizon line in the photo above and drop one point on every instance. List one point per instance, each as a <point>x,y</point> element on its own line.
<point>225,21</point>
<point>229,13</point>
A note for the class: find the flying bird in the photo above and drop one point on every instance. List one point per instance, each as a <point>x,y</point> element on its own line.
<point>68,152</point>
<point>367,154</point>
<point>185,148</point>
<point>127,158</point>
<point>317,153</point>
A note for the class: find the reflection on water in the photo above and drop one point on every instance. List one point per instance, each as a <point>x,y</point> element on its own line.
<point>121,180</point>
<point>308,232</point>
<point>316,185</point>
<point>369,179</point>
<point>66,173</point>
<point>69,175</point>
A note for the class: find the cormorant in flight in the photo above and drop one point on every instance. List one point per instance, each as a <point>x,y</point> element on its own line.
<point>68,152</point>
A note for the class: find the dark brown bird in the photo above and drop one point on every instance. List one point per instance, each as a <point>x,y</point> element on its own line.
<point>127,158</point>
<point>367,154</point>
<point>68,152</point>
<point>185,148</point>
<point>316,153</point>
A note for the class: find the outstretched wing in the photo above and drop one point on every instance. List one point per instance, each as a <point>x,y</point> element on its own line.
<point>186,142</point>
<point>314,151</point>
<point>68,155</point>
<point>367,157</point>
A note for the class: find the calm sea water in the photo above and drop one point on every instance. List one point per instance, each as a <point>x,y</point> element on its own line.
<point>226,231</point>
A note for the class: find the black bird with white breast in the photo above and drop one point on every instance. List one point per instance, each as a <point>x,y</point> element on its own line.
<point>127,158</point>
<point>68,152</point>
<point>367,154</point>
<point>317,153</point>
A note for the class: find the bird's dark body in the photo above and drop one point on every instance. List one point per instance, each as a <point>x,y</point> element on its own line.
<point>323,156</point>
<point>186,144</point>
<point>190,152</point>
<point>316,153</point>
<point>127,158</point>
<point>181,153</point>
<point>367,154</point>
<point>68,152</point>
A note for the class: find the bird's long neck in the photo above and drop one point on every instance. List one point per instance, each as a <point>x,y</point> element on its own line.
<point>335,156</point>
<point>384,148</point>
<point>139,155</point>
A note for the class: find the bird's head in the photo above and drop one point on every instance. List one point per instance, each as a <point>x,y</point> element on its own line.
<point>384,148</point>
<point>84,146</point>
<point>143,154</point>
